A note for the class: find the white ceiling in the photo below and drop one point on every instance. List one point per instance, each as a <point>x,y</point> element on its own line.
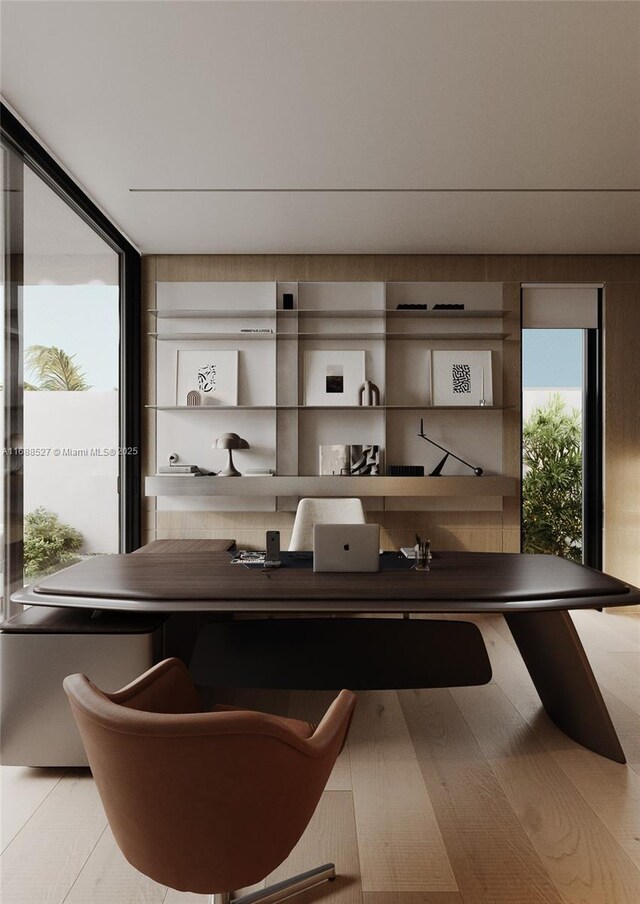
<point>340,95</point>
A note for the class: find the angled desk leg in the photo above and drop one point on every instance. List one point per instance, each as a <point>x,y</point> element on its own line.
<point>560,670</point>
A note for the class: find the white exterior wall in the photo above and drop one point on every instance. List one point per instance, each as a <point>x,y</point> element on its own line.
<point>82,490</point>
<point>538,398</point>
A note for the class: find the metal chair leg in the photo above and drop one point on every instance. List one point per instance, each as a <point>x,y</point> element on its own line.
<point>280,891</point>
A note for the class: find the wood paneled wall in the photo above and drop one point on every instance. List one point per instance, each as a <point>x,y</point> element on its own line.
<point>490,531</point>
<point>622,430</point>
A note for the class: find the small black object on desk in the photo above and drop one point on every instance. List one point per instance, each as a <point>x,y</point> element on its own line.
<point>272,557</point>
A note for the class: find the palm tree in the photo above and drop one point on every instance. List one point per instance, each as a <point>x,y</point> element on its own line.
<point>53,369</point>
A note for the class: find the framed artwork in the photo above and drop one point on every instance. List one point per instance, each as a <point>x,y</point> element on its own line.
<point>461,377</point>
<point>211,372</point>
<point>333,377</point>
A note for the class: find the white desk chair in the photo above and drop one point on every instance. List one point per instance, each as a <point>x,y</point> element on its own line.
<point>322,511</point>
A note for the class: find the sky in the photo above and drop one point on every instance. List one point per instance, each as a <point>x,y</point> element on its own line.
<point>82,321</point>
<point>552,359</point>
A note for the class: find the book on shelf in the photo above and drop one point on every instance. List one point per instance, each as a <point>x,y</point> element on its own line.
<point>183,471</point>
<point>178,469</point>
<point>259,472</point>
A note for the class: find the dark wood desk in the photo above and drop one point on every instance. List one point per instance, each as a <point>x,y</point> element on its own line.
<point>164,547</point>
<point>533,593</point>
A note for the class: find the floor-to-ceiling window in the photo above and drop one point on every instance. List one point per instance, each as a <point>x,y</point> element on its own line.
<point>70,363</point>
<point>561,435</point>
<point>4,246</point>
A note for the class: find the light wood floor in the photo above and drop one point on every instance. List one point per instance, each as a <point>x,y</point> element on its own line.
<point>464,796</point>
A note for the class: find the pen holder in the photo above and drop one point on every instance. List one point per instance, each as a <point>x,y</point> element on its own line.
<point>422,558</point>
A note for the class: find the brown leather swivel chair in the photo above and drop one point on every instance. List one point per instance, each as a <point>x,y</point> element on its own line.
<point>205,802</point>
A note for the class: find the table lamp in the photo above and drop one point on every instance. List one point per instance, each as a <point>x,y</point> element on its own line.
<point>230,441</point>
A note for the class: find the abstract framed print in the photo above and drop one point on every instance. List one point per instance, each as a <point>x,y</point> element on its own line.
<point>333,378</point>
<point>461,378</point>
<point>211,372</point>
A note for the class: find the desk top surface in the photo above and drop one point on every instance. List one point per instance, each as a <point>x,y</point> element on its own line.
<point>457,582</point>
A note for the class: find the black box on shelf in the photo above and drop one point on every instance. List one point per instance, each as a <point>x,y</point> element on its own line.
<point>405,471</point>
<point>287,301</point>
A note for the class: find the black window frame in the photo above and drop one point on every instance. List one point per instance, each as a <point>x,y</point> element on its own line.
<point>592,452</point>
<point>21,142</point>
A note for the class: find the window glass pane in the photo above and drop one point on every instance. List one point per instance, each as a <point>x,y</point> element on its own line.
<point>552,485</point>
<point>70,341</point>
<point>4,249</point>
<point>11,520</point>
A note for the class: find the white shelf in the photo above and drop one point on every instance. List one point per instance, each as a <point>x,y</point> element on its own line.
<point>404,337</point>
<point>457,336</point>
<point>329,486</point>
<point>172,337</point>
<point>368,408</point>
<point>338,313</point>
<point>210,408</point>
<point>390,337</point>
<point>210,313</point>
<point>466,314</point>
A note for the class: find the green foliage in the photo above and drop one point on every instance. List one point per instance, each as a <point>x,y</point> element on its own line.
<point>552,482</point>
<point>48,543</point>
<point>53,370</point>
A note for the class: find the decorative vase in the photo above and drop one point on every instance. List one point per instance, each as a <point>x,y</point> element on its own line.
<point>369,394</point>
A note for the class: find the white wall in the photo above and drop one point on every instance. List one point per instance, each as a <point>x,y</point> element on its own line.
<point>82,490</point>
<point>538,398</point>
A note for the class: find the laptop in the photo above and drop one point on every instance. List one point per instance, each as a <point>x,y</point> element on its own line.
<point>346,547</point>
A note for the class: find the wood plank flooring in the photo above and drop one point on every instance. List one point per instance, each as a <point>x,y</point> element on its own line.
<point>463,796</point>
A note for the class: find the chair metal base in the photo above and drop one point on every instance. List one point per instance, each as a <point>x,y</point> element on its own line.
<point>280,891</point>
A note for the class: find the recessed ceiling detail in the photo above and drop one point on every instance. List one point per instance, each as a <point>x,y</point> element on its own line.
<point>394,190</point>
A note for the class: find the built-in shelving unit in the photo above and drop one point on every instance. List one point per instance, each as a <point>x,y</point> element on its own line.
<point>283,432</point>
